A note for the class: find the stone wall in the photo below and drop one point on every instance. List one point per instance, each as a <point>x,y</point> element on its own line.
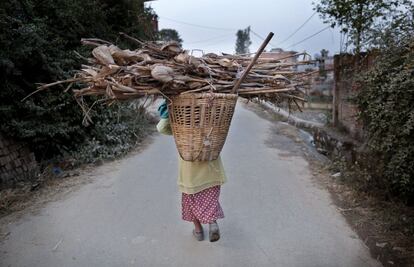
<point>335,145</point>
<point>17,162</point>
<point>345,112</point>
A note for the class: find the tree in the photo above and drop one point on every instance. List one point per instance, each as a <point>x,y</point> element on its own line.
<point>169,35</point>
<point>128,16</point>
<point>399,27</point>
<point>324,53</point>
<point>37,40</point>
<point>321,60</point>
<point>357,17</point>
<point>243,41</point>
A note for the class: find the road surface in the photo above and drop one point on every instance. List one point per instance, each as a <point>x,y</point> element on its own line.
<point>129,215</point>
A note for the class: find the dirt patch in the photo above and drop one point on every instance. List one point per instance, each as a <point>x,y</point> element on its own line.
<point>29,198</point>
<point>385,227</point>
<point>47,188</point>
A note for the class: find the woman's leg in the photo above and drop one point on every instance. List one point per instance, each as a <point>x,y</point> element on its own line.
<point>188,215</point>
<point>197,226</point>
<point>203,207</point>
<point>198,232</point>
<point>214,232</point>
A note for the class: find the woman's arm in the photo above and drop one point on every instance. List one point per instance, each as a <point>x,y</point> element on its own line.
<point>164,127</point>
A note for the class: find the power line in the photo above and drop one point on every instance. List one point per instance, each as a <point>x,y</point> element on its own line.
<point>220,41</point>
<point>300,27</point>
<point>198,25</point>
<point>207,40</point>
<point>259,36</point>
<point>307,38</point>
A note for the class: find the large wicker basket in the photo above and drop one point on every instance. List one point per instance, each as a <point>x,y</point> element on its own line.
<point>200,123</point>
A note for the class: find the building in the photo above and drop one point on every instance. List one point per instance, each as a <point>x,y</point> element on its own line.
<point>322,84</point>
<point>154,18</point>
<point>280,54</point>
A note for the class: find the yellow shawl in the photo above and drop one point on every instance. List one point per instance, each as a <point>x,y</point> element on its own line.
<point>194,177</point>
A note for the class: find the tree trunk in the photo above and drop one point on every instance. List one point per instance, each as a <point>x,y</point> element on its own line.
<point>358,27</point>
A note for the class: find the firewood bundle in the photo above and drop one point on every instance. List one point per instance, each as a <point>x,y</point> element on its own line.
<point>115,74</point>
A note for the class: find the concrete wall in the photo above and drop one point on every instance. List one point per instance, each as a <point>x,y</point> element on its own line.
<point>317,105</point>
<point>17,163</point>
<point>345,112</point>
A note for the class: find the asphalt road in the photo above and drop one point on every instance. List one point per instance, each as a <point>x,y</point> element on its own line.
<point>129,215</point>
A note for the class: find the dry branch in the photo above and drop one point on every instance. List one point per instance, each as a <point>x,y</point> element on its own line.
<point>116,74</point>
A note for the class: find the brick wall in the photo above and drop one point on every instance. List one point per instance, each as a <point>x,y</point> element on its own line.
<point>345,112</point>
<point>17,163</point>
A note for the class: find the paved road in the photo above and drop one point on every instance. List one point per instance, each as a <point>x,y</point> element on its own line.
<point>276,215</point>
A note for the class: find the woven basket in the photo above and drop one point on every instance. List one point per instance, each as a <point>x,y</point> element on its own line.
<point>200,123</point>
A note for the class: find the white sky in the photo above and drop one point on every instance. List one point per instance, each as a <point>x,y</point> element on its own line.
<point>263,16</point>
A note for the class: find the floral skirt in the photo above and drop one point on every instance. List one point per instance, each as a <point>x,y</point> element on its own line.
<point>203,206</point>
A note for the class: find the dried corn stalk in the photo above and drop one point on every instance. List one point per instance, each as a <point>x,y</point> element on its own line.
<point>116,74</point>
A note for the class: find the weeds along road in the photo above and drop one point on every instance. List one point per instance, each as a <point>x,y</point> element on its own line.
<point>129,215</point>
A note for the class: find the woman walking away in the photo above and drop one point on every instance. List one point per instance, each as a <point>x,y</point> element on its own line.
<point>199,183</point>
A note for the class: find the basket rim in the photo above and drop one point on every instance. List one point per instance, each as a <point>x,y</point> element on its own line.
<point>206,95</point>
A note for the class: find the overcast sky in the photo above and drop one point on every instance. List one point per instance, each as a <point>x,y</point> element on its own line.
<point>211,25</point>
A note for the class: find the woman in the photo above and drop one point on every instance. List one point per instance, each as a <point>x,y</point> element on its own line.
<point>200,184</point>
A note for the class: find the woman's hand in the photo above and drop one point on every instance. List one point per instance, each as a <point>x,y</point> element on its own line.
<point>163,110</point>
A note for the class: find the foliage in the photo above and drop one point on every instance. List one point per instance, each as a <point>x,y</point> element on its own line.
<point>396,30</point>
<point>386,104</point>
<point>120,129</point>
<point>168,35</point>
<point>357,18</point>
<point>324,53</point>
<point>321,62</point>
<point>385,100</point>
<point>243,41</point>
<point>38,38</point>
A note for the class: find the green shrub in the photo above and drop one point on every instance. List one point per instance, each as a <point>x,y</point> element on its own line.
<point>38,39</point>
<point>387,109</point>
<point>124,125</point>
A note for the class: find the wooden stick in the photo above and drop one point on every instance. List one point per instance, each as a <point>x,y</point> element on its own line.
<point>266,91</point>
<point>259,52</point>
<point>95,40</point>
<point>131,38</point>
<point>43,87</point>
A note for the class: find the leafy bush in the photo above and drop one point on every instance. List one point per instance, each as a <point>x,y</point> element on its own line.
<point>38,39</point>
<point>168,35</point>
<point>124,125</point>
<point>387,110</point>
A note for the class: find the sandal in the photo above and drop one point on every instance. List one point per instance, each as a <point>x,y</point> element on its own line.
<point>214,232</point>
<point>199,236</point>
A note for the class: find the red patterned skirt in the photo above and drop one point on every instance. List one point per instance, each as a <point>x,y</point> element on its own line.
<point>203,206</point>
